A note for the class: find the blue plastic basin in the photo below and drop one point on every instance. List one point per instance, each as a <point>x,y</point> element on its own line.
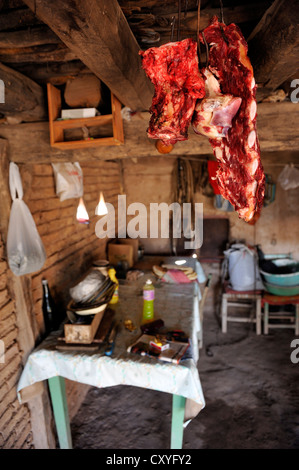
<point>286,280</point>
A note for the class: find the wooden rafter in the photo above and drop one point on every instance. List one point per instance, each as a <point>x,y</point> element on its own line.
<point>274,44</point>
<point>161,24</point>
<point>24,99</point>
<point>97,32</point>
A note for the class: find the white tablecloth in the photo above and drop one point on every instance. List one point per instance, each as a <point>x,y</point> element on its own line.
<point>175,304</point>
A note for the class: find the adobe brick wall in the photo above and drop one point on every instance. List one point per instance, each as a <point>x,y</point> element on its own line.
<point>15,427</point>
<point>70,247</point>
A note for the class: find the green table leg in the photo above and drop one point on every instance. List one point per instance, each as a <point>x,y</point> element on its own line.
<point>58,397</point>
<point>266,318</point>
<point>178,413</point>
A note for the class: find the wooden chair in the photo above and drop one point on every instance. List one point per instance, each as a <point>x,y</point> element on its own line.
<point>241,299</point>
<point>286,319</point>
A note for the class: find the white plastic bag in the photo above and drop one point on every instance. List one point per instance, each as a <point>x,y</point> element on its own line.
<point>87,286</point>
<point>289,177</point>
<point>25,250</point>
<point>68,180</point>
<point>242,268</point>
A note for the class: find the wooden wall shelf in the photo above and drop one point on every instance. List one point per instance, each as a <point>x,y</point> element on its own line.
<point>57,127</point>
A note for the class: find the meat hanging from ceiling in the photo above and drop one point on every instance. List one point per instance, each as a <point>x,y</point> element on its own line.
<point>240,175</point>
<point>174,71</point>
<point>214,114</point>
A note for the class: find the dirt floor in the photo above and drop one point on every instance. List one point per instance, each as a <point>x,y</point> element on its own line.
<point>250,387</point>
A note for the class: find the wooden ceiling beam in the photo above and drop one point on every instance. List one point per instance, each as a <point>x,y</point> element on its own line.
<point>34,36</point>
<point>53,72</point>
<point>36,54</point>
<point>17,19</point>
<point>238,14</point>
<point>23,98</point>
<point>97,33</point>
<point>277,132</point>
<point>274,44</point>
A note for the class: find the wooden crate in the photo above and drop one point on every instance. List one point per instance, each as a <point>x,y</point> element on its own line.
<point>82,334</point>
<point>57,127</point>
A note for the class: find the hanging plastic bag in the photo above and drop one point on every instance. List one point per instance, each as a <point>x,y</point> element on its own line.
<point>68,180</point>
<point>25,250</point>
<point>289,177</point>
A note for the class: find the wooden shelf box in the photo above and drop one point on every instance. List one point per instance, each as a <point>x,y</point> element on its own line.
<point>57,127</point>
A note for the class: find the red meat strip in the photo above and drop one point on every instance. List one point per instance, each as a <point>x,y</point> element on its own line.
<point>173,69</point>
<point>240,176</point>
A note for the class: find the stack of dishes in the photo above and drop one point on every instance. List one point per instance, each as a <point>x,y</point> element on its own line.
<point>90,296</point>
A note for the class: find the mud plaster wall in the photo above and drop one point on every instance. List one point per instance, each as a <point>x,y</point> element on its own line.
<point>149,180</point>
<point>70,247</point>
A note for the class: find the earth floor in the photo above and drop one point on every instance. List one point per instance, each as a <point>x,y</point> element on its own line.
<point>250,386</point>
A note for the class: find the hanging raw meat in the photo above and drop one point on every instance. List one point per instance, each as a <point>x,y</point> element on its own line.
<point>240,176</point>
<point>213,115</point>
<point>173,69</point>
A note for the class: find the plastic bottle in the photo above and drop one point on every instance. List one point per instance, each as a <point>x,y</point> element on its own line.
<point>115,297</point>
<point>148,301</point>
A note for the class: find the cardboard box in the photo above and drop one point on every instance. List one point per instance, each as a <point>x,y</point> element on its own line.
<point>118,253</point>
<point>134,242</point>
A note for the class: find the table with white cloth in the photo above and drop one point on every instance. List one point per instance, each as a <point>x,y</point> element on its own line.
<point>178,306</point>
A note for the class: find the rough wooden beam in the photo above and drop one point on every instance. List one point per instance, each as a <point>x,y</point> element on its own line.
<point>54,72</point>
<point>274,44</point>
<point>36,54</point>
<point>97,32</point>
<point>24,99</point>
<point>28,37</point>
<point>238,14</point>
<point>156,6</point>
<point>17,18</point>
<point>276,130</point>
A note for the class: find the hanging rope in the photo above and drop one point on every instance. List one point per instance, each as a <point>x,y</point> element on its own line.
<point>172,28</point>
<point>221,11</point>
<point>179,20</point>
<point>207,49</point>
<point>197,31</point>
<point>185,9</point>
<point>222,21</point>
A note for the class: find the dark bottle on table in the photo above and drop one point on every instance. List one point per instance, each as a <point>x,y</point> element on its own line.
<point>49,308</point>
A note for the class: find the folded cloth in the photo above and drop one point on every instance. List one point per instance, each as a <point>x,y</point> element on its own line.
<point>175,276</point>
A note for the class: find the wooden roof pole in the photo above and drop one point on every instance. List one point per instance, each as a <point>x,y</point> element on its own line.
<point>274,45</point>
<point>23,98</point>
<point>97,32</point>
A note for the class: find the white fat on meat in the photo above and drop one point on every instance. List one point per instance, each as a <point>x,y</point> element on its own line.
<point>251,139</point>
<point>252,110</point>
<point>252,167</point>
<point>214,114</point>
